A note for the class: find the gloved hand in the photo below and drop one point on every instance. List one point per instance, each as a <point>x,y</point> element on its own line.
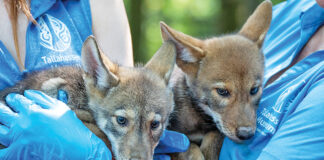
<point>170,142</point>
<point>40,127</point>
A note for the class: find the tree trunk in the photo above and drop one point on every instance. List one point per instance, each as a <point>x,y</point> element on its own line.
<point>135,20</point>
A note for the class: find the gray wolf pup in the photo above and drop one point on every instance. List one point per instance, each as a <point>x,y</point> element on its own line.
<point>219,86</point>
<point>129,106</point>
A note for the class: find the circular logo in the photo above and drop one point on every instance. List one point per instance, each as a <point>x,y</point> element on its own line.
<point>54,34</point>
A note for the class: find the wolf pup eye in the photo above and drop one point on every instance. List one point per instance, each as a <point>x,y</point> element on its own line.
<point>223,92</point>
<point>121,121</point>
<point>155,125</point>
<point>254,90</point>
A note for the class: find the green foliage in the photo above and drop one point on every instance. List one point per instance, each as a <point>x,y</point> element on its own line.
<point>199,18</point>
<point>277,1</point>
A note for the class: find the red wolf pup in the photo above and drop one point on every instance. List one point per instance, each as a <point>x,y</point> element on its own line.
<point>219,86</point>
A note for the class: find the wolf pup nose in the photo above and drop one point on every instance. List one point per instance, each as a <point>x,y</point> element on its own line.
<point>244,133</point>
<point>218,84</point>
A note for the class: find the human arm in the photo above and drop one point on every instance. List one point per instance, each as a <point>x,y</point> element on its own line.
<point>41,127</point>
<point>111,29</point>
<point>301,135</point>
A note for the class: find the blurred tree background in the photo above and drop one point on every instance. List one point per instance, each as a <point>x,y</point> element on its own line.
<point>199,18</point>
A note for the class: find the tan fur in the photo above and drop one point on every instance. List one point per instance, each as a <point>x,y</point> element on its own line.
<point>230,64</point>
<point>105,91</point>
<point>193,153</point>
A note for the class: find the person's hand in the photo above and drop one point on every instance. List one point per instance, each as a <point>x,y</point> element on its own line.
<point>170,142</point>
<point>40,127</point>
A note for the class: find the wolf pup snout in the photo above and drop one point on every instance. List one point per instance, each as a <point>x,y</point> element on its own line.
<point>244,133</point>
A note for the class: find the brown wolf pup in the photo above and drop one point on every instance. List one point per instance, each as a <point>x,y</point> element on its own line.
<point>130,106</point>
<point>218,91</point>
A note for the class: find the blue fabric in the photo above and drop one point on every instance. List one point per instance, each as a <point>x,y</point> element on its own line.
<point>9,72</point>
<point>290,115</point>
<point>57,39</point>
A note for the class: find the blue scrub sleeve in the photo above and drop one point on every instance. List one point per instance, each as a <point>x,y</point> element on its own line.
<point>301,135</point>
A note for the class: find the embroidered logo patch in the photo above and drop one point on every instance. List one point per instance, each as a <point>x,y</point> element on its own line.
<point>54,34</point>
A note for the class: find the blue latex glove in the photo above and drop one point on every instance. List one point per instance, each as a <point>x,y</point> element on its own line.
<point>45,128</point>
<point>171,142</point>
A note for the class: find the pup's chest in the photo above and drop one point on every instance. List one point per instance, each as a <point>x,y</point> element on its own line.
<point>188,120</point>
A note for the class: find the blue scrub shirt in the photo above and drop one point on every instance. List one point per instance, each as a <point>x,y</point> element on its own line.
<point>57,40</point>
<point>290,118</point>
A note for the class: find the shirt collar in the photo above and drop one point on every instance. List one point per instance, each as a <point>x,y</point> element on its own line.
<point>312,15</point>
<point>38,7</point>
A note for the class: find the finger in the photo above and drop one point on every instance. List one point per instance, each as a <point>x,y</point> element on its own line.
<point>161,157</point>
<point>172,142</point>
<point>18,102</point>
<point>40,98</point>
<point>3,153</point>
<point>62,96</point>
<point>100,147</point>
<point>4,138</point>
<point>7,116</point>
<point>21,104</point>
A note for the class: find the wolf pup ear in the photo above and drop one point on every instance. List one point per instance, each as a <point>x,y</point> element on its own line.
<point>163,61</point>
<point>97,66</point>
<point>189,50</point>
<point>258,23</point>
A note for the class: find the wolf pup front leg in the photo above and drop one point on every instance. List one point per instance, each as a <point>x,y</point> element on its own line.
<point>220,83</point>
<point>193,153</point>
<point>211,144</point>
